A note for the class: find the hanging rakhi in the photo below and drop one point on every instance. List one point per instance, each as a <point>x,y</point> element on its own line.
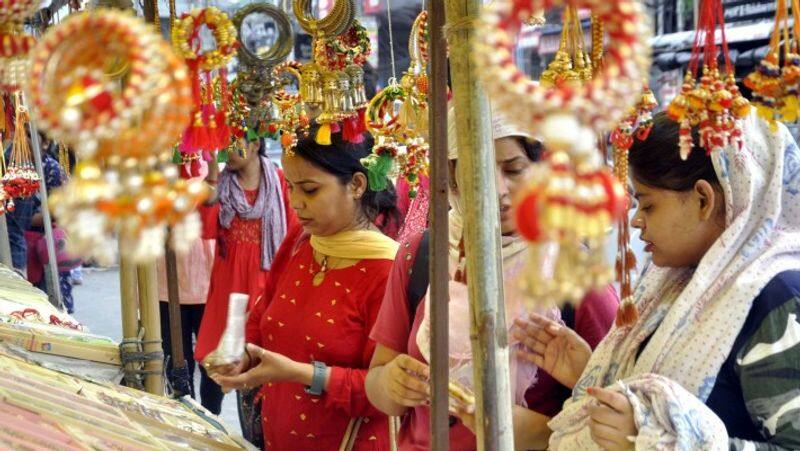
<point>14,43</point>
<point>14,48</point>
<point>208,131</point>
<point>714,105</point>
<point>20,179</point>
<point>293,116</point>
<point>399,150</point>
<point>344,98</point>
<point>775,82</point>
<point>573,200</point>
<point>636,125</point>
<point>123,185</point>
<point>324,81</point>
<point>77,102</point>
<point>415,79</point>
<point>571,63</point>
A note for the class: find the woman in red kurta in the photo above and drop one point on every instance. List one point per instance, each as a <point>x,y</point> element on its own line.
<point>308,337</point>
<point>247,237</point>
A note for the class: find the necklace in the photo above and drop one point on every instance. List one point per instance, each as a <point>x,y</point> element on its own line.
<point>319,277</point>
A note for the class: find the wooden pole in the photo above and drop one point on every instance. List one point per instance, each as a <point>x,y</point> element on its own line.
<point>175,326</point>
<point>151,322</point>
<point>129,295</point>
<point>476,175</point>
<point>439,238</point>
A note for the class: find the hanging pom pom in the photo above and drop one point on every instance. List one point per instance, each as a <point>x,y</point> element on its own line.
<point>378,165</point>
<point>628,314</point>
<point>323,137</point>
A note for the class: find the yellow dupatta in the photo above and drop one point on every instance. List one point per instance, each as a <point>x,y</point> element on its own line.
<point>356,245</point>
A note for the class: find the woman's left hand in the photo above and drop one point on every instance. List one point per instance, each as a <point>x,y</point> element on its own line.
<point>611,419</point>
<point>267,366</point>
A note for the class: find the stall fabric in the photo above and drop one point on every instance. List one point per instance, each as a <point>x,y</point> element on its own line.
<point>44,409</point>
<point>36,329</point>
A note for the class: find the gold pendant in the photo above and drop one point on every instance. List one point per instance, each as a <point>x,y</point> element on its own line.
<point>318,278</point>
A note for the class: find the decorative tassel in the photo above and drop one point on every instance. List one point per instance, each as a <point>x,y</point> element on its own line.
<point>176,157</point>
<point>324,135</point>
<point>335,127</point>
<point>223,156</point>
<point>627,314</point>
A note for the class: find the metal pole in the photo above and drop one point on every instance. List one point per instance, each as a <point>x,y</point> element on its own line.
<point>437,117</point>
<point>476,175</point>
<point>53,289</point>
<point>5,246</point>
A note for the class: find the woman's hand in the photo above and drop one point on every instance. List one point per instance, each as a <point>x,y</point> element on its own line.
<point>556,349</point>
<point>229,369</point>
<point>611,419</point>
<point>267,366</point>
<point>405,381</point>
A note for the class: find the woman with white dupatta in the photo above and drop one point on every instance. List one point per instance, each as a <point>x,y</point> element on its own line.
<point>713,362</point>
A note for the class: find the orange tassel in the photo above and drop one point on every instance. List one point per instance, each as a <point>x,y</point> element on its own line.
<point>627,314</point>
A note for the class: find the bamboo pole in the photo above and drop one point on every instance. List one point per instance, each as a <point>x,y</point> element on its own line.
<point>439,239</point>
<point>129,295</point>
<point>481,234</point>
<point>151,322</point>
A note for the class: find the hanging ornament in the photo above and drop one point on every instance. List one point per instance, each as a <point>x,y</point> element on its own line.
<point>776,80</point>
<point>566,213</point>
<point>636,125</point>
<point>121,120</point>
<point>399,151</point>
<point>293,116</point>
<point>415,79</point>
<point>573,200</point>
<point>14,48</point>
<point>340,60</point>
<point>20,179</point>
<point>713,104</point>
<point>571,63</point>
<point>209,129</point>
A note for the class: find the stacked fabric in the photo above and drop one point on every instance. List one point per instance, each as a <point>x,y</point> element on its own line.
<point>41,409</point>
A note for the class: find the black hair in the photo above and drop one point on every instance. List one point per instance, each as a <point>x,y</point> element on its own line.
<point>532,148</point>
<point>343,160</point>
<point>656,161</point>
<point>262,147</point>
